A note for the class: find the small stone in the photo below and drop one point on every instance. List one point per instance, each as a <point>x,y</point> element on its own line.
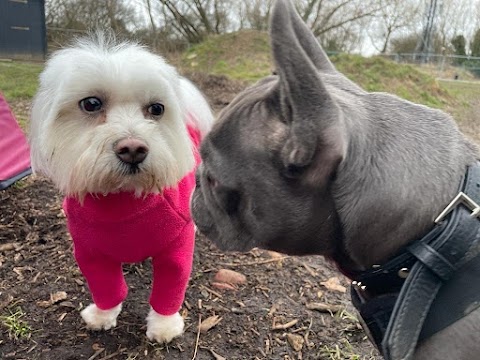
<point>230,277</point>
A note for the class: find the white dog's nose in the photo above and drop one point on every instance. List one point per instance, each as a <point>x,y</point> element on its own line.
<point>131,151</point>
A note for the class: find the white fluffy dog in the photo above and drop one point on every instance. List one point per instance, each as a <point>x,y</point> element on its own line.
<point>116,129</point>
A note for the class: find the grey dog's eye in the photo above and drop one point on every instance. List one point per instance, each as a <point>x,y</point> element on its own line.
<point>91,104</point>
<point>156,109</point>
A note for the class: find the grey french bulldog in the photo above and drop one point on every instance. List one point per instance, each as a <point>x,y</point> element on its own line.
<point>307,162</point>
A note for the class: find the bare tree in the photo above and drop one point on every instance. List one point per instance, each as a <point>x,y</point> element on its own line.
<point>456,17</point>
<point>256,13</point>
<point>67,17</point>
<point>194,19</point>
<point>340,25</point>
<point>394,17</point>
<point>325,15</point>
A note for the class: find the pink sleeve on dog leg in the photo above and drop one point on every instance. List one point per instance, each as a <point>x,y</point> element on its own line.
<point>104,278</point>
<point>171,272</point>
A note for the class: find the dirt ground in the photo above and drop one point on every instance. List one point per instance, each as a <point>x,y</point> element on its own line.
<point>271,316</point>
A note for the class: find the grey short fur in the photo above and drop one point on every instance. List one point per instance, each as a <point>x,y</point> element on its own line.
<point>307,162</point>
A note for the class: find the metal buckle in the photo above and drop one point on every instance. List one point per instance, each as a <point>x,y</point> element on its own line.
<point>462,199</point>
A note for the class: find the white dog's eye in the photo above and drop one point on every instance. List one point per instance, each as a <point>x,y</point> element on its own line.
<point>156,109</point>
<point>91,104</point>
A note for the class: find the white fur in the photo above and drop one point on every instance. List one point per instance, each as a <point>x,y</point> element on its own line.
<point>76,149</point>
<point>163,328</point>
<point>97,319</point>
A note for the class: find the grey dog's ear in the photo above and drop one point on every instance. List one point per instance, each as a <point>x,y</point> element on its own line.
<point>311,112</point>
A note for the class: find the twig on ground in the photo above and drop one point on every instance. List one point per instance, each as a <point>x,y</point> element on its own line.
<point>214,354</point>
<point>198,336</point>
<point>308,331</point>
<point>111,356</point>
<point>284,326</point>
<point>310,270</point>
<point>252,263</point>
<point>211,291</point>
<point>322,307</point>
<point>98,352</point>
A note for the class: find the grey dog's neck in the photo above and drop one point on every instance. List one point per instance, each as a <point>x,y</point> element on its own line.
<point>399,173</point>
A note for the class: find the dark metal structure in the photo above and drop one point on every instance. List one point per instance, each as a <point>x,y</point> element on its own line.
<point>425,45</point>
<point>22,29</point>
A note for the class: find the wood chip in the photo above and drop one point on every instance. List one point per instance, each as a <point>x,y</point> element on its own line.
<point>334,285</point>
<point>68,304</point>
<point>58,296</point>
<point>275,255</point>
<point>9,246</point>
<point>296,341</point>
<point>209,323</point>
<point>61,317</point>
<point>322,307</point>
<point>272,310</point>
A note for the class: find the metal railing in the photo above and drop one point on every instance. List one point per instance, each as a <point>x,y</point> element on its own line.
<point>445,66</point>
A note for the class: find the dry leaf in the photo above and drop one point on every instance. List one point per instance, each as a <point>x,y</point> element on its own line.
<point>54,298</point>
<point>209,323</point>
<point>296,341</point>
<point>334,285</point>
<point>230,277</point>
<point>58,296</point>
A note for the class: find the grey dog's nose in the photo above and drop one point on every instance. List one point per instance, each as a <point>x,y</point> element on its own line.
<point>131,151</point>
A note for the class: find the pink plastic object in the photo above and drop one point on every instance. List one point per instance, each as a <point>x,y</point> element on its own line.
<point>14,150</point>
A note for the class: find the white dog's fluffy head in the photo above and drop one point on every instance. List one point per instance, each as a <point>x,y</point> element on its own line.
<point>92,97</point>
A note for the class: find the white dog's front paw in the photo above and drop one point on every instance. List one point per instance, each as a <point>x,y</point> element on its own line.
<point>163,328</point>
<point>98,319</point>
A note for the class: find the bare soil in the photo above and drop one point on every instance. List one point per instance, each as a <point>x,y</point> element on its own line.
<point>269,317</point>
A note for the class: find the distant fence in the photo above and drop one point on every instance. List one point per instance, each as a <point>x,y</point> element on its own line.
<point>445,66</point>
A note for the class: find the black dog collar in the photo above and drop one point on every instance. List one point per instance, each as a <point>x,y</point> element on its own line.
<point>431,284</point>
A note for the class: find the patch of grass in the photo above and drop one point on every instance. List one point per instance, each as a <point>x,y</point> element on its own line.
<point>19,80</point>
<point>343,352</point>
<point>406,81</point>
<point>467,109</point>
<point>17,328</point>
<point>347,316</point>
<point>246,56</point>
<point>465,90</point>
<point>243,56</point>
<point>21,184</point>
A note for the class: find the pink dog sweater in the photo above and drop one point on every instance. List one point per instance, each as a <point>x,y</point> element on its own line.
<point>121,228</point>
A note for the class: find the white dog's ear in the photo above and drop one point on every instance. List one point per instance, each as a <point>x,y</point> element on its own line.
<point>316,128</point>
